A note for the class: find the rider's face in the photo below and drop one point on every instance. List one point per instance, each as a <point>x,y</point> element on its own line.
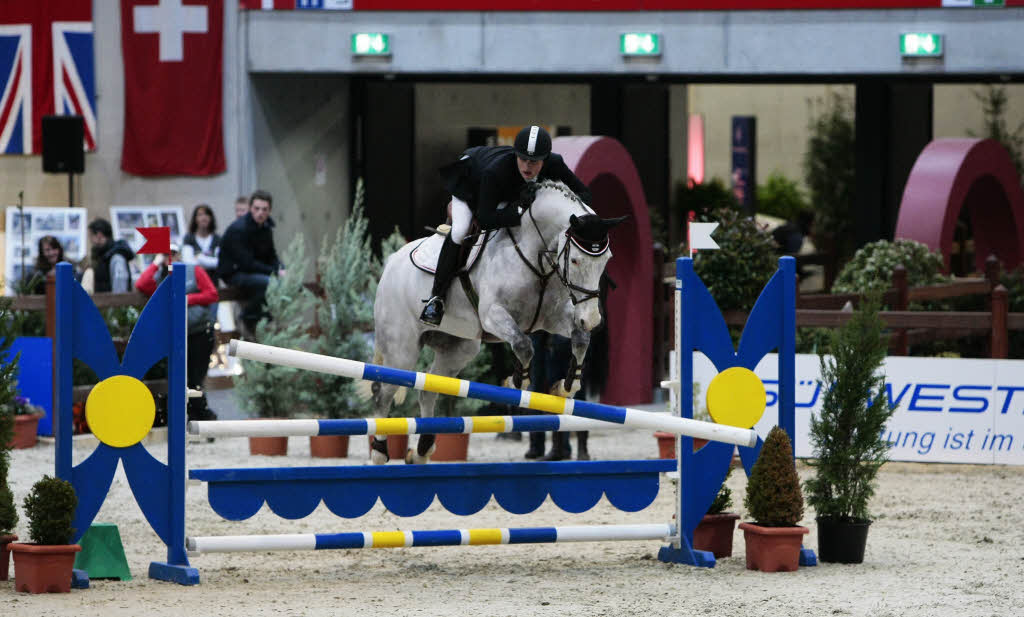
<point>528,169</point>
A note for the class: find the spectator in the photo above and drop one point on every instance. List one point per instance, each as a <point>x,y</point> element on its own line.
<point>248,257</point>
<point>109,259</point>
<point>50,254</point>
<point>241,206</point>
<point>200,295</point>
<point>201,244</point>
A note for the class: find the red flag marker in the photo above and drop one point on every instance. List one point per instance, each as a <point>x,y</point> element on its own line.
<point>158,240</point>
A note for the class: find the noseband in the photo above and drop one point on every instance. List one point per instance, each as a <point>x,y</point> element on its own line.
<point>590,249</point>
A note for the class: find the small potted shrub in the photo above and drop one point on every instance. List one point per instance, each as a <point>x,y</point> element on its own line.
<point>776,504</point>
<point>26,423</point>
<point>714,532</point>
<point>45,564</point>
<point>846,436</point>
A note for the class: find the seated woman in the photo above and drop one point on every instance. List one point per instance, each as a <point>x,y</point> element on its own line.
<point>50,254</point>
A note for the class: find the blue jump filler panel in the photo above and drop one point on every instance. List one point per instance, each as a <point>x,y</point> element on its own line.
<point>771,326</point>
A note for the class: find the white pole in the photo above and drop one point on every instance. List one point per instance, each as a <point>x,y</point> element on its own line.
<point>460,387</point>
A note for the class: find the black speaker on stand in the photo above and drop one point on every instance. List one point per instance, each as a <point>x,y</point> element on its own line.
<point>64,148</point>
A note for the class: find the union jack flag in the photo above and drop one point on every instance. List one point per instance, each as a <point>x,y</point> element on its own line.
<point>46,68</point>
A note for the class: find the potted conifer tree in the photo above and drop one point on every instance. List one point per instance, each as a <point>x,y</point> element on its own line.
<point>846,436</point>
<point>45,564</point>
<point>345,271</point>
<point>8,512</point>
<point>269,390</point>
<point>776,504</point>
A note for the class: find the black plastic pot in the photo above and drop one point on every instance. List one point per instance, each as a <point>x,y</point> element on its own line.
<point>842,541</point>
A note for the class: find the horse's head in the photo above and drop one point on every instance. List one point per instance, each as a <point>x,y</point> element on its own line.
<point>583,253</point>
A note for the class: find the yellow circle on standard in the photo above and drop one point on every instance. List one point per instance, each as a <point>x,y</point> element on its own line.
<point>736,397</point>
<point>120,411</point>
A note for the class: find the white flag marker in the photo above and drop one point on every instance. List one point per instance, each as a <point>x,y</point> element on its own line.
<point>700,236</point>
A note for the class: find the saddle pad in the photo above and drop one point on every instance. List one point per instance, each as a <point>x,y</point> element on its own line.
<point>424,255</point>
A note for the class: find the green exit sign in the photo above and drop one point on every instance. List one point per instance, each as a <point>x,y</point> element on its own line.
<point>371,44</point>
<point>640,44</point>
<point>921,44</point>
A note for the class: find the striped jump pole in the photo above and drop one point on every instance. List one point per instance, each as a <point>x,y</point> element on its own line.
<point>393,426</point>
<point>536,401</point>
<point>448,537</point>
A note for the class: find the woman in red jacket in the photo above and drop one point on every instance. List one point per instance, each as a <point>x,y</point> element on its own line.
<point>201,296</point>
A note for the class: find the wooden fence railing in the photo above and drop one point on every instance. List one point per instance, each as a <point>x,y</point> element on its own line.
<point>909,327</point>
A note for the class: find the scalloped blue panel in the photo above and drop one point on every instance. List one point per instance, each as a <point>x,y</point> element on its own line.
<point>461,488</point>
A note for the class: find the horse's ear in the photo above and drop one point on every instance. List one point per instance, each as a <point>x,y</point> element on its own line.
<point>609,223</point>
<point>573,221</point>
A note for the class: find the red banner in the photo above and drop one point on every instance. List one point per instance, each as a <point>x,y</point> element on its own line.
<point>173,122</point>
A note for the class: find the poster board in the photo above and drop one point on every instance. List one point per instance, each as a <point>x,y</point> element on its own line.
<point>25,228</point>
<point>124,220</point>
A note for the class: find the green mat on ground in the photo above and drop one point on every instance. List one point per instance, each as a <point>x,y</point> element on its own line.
<point>102,554</point>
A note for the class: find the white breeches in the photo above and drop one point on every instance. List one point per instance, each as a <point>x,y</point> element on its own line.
<point>462,217</point>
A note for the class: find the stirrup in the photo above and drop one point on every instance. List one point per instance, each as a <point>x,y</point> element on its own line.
<point>433,312</point>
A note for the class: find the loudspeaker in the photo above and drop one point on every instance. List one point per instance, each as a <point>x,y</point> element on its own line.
<point>63,144</point>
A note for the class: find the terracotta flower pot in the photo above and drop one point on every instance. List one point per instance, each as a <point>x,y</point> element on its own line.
<point>451,447</point>
<point>667,444</point>
<point>773,549</point>
<point>328,446</point>
<point>25,428</point>
<point>714,533</point>
<point>5,560</point>
<point>43,569</point>
<point>268,446</point>
<point>397,445</point>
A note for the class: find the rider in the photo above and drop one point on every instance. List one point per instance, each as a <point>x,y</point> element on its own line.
<point>488,180</point>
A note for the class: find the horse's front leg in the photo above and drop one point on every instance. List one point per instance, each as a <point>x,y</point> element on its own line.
<point>569,386</point>
<point>499,322</point>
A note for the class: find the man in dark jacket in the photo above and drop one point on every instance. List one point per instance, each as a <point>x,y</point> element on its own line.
<point>248,257</point>
<point>481,180</point>
<point>109,259</point>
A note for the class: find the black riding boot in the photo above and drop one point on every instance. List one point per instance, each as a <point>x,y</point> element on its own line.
<point>581,446</point>
<point>447,264</point>
<point>536,446</point>
<point>560,448</point>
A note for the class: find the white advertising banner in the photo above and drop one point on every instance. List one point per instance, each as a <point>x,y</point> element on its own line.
<point>949,410</point>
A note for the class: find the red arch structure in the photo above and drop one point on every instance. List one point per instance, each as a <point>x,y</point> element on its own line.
<point>604,165</point>
<point>978,175</point>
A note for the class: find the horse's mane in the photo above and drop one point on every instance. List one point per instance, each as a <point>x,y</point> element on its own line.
<point>530,191</point>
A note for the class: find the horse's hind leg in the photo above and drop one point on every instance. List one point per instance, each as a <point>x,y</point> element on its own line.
<point>451,355</point>
<point>398,352</point>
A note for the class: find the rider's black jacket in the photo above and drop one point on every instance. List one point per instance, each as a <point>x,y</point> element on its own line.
<point>486,176</point>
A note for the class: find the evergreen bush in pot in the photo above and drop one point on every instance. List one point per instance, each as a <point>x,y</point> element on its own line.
<point>846,437</point>
<point>776,504</point>
<point>45,564</point>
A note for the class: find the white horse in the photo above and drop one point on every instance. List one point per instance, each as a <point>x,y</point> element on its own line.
<point>543,275</point>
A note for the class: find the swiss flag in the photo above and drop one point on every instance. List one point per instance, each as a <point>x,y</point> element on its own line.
<point>173,121</point>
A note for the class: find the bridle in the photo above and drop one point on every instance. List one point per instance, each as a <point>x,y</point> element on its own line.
<point>552,258</point>
<point>596,250</point>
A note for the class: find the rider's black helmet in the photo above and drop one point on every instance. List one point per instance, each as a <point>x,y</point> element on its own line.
<point>533,143</point>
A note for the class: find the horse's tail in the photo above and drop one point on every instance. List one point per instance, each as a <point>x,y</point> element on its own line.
<point>366,390</point>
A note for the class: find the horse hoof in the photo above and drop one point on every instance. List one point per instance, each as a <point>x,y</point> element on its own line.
<point>412,458</point>
<point>559,389</point>
<point>378,458</point>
